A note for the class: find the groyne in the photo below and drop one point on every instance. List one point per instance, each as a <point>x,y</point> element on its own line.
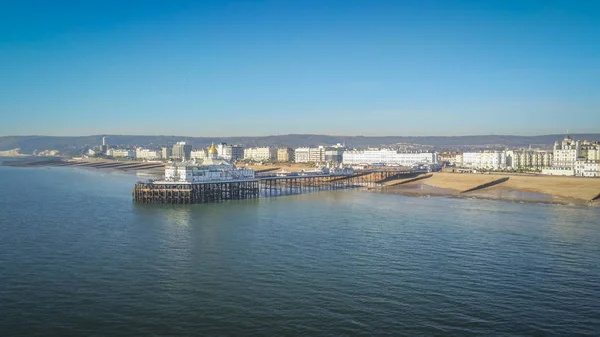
<point>408,180</point>
<point>486,185</point>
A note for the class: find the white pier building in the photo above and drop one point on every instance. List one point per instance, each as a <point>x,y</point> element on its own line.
<point>212,169</point>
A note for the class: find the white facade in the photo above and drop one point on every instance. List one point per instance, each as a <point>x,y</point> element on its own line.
<point>234,152</point>
<point>566,152</point>
<point>591,169</point>
<point>181,150</point>
<point>529,159</point>
<point>198,154</point>
<point>285,154</point>
<point>587,168</point>
<point>167,152</point>
<point>593,154</point>
<point>579,158</point>
<point>484,160</point>
<point>387,157</point>
<point>230,152</point>
<point>309,154</point>
<point>559,171</point>
<point>120,153</point>
<point>146,154</point>
<point>189,173</point>
<point>213,169</point>
<point>260,153</point>
<point>301,155</point>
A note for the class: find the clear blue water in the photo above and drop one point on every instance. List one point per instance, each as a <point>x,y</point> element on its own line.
<point>77,257</point>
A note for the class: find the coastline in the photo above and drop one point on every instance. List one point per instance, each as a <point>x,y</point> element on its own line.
<point>514,188</point>
<point>537,189</point>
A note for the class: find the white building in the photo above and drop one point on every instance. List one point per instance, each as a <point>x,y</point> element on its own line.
<point>566,152</point>
<point>585,168</point>
<point>120,153</point>
<point>181,150</point>
<point>230,152</point>
<point>591,169</point>
<point>559,171</point>
<point>260,153</point>
<point>492,160</point>
<point>574,157</point>
<point>301,155</point>
<point>529,159</point>
<point>199,154</point>
<point>167,152</point>
<point>212,169</point>
<point>387,157</point>
<point>285,154</point>
<point>593,154</point>
<point>309,154</point>
<point>146,154</point>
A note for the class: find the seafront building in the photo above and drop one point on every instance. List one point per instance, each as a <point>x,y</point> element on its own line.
<point>529,159</point>
<point>566,152</point>
<point>575,158</point>
<point>302,155</point>
<point>120,153</point>
<point>334,155</point>
<point>181,151</point>
<point>449,157</point>
<point>492,160</point>
<point>212,169</point>
<point>309,154</point>
<point>147,154</point>
<point>587,168</point>
<point>167,152</point>
<point>200,154</point>
<point>285,154</point>
<point>230,152</point>
<point>265,153</point>
<point>388,157</point>
<point>593,153</point>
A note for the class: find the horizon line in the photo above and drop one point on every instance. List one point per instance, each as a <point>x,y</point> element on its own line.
<point>306,134</point>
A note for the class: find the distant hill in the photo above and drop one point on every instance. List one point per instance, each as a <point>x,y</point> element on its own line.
<point>74,145</point>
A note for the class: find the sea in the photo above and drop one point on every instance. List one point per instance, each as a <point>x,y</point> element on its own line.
<point>79,258</point>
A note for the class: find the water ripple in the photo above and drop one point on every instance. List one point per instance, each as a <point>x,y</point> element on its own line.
<point>80,259</point>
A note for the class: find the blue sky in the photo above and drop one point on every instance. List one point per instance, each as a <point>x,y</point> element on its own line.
<point>232,68</point>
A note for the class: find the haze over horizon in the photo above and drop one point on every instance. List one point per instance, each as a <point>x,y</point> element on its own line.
<point>256,68</point>
<point>182,136</point>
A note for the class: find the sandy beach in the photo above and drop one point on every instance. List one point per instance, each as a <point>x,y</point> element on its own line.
<point>518,187</point>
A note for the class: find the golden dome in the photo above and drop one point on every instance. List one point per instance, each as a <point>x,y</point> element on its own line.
<point>212,149</point>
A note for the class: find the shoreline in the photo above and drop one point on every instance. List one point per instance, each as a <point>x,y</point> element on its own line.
<point>528,189</point>
<point>544,189</point>
<point>528,200</point>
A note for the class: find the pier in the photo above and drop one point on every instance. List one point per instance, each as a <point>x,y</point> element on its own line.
<point>265,186</point>
<point>187,193</point>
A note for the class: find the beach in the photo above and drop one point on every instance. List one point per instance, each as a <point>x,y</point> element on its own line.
<point>570,190</point>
